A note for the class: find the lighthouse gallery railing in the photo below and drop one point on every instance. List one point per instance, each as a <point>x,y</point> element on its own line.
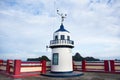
<point>61,42</point>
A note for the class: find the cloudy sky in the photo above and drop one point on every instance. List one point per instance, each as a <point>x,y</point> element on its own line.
<point>27,26</point>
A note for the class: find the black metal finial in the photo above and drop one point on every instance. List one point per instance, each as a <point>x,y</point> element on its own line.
<point>62,16</point>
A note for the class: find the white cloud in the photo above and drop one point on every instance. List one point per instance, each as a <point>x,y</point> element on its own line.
<point>27,26</point>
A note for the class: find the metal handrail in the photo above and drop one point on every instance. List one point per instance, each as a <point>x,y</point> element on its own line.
<point>62,42</point>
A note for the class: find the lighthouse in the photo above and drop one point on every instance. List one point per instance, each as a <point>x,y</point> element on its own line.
<point>61,46</point>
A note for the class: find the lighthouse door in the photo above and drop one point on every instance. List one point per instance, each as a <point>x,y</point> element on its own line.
<point>55,59</point>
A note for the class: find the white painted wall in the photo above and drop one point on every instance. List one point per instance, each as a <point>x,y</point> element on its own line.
<point>64,61</point>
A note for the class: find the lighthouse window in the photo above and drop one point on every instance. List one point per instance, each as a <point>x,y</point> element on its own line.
<point>68,37</point>
<point>62,37</point>
<point>56,37</point>
<point>55,59</point>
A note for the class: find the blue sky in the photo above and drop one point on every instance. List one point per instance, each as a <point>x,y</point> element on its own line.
<point>27,26</point>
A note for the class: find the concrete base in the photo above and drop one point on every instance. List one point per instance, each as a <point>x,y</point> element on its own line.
<point>63,75</point>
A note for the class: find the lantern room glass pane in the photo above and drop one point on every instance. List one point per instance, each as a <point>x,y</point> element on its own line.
<point>56,37</point>
<point>68,37</point>
<point>62,37</point>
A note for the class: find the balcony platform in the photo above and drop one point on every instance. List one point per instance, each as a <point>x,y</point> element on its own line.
<point>61,43</point>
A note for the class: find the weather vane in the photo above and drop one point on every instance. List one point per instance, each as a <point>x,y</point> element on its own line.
<point>62,16</point>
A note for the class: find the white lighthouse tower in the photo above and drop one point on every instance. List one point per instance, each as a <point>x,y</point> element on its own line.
<point>61,46</point>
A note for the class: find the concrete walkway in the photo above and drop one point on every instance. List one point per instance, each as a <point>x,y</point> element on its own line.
<point>86,76</point>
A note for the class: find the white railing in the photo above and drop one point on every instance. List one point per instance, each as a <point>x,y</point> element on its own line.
<point>61,42</point>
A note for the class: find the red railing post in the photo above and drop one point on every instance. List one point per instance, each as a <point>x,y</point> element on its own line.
<point>17,67</point>
<point>8,66</point>
<point>83,65</point>
<point>43,67</point>
<point>1,63</point>
<point>106,66</point>
<point>112,65</point>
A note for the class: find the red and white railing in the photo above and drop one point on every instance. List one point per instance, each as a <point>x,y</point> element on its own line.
<point>110,66</point>
<point>18,68</point>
